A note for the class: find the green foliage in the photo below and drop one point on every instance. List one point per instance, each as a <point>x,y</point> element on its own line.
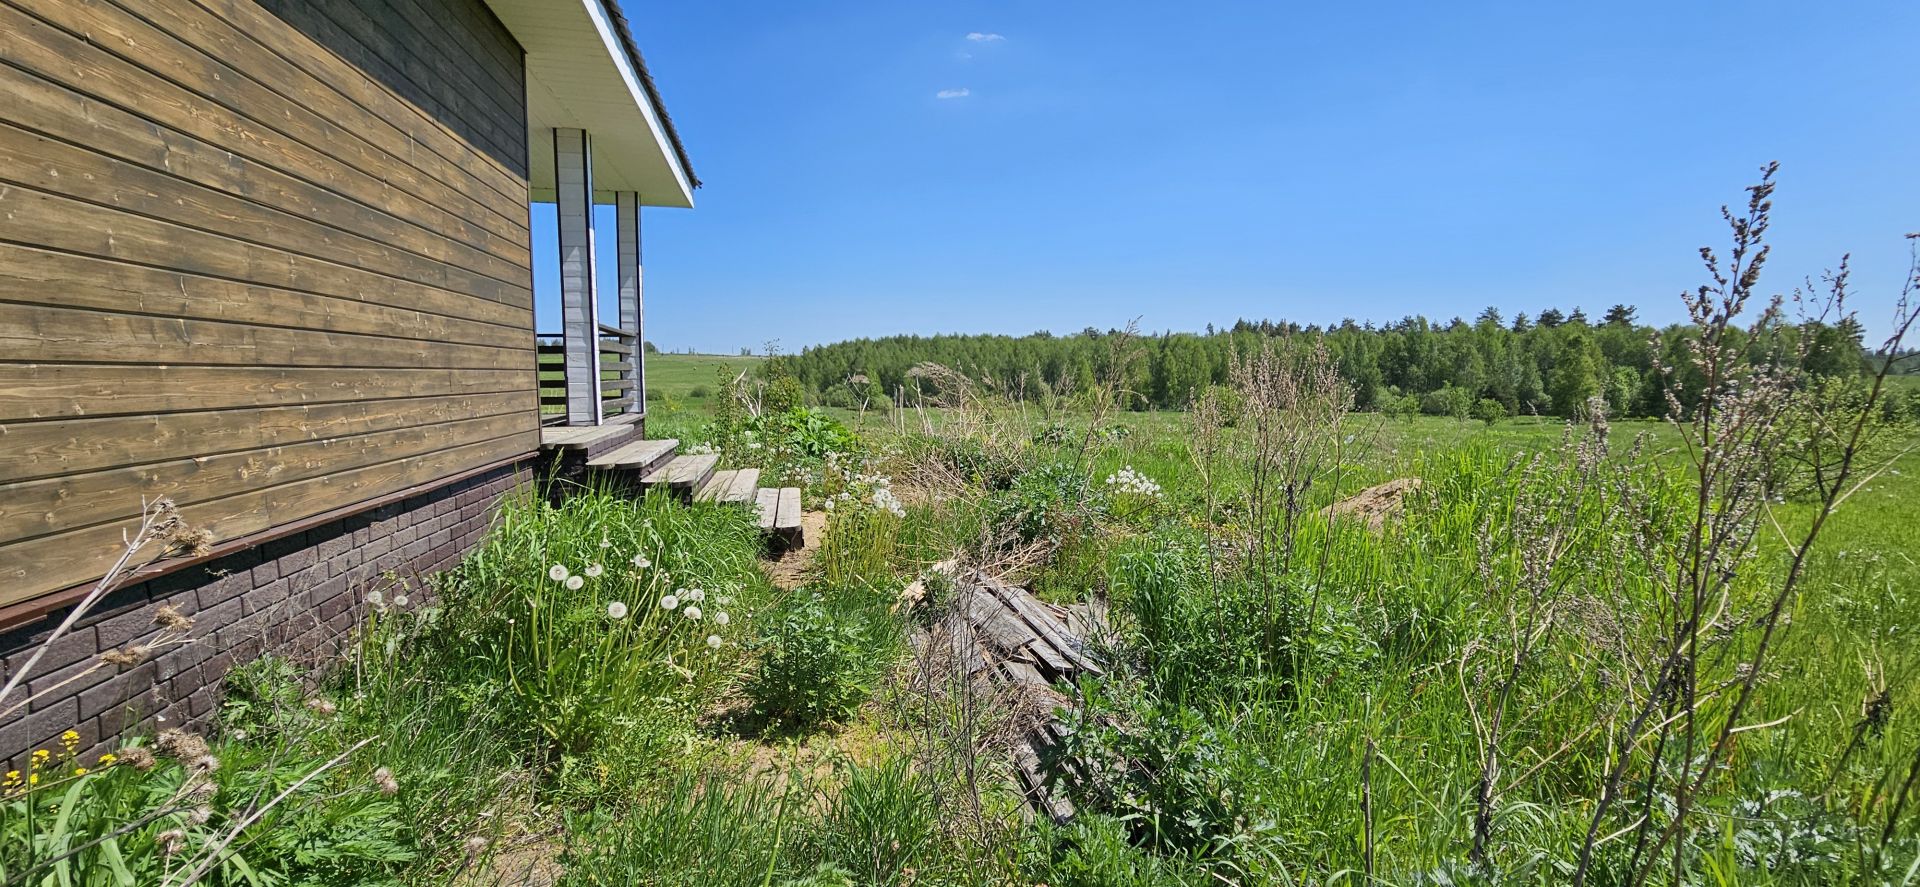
<point>578,612</point>
<point>811,669</point>
<point>1489,410</point>
<point>879,823</point>
<point>1056,500</point>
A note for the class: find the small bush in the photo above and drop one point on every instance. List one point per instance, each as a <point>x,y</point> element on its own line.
<point>1054,501</point>
<point>810,669</point>
<point>700,392</point>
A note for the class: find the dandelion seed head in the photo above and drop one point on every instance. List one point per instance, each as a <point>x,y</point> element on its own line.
<point>593,571</point>
<point>557,572</point>
<point>616,610</point>
<point>574,583</point>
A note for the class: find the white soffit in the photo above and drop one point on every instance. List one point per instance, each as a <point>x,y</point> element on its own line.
<point>579,76</point>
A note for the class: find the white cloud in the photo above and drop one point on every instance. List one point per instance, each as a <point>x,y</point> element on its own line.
<point>979,37</point>
<point>960,93</point>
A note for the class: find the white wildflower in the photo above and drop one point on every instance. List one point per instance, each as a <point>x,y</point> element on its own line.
<point>574,583</point>
<point>697,594</point>
<point>692,612</point>
<point>375,598</point>
<point>593,571</point>
<point>713,641</point>
<point>640,562</point>
<point>616,610</point>
<point>557,572</point>
<point>721,618</point>
<point>399,600</point>
<point>669,602</point>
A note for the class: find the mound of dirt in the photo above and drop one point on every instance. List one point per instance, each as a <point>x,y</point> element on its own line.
<point>1374,505</point>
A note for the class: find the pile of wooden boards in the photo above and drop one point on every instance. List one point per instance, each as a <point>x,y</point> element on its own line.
<point>1003,635</point>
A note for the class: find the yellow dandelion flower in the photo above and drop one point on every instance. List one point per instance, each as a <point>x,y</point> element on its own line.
<point>33,779</point>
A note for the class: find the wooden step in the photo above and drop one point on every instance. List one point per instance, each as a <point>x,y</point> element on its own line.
<point>683,474</point>
<point>642,456</point>
<point>779,512</point>
<point>730,487</point>
<point>580,437</point>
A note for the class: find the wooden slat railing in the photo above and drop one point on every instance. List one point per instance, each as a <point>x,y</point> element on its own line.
<point>617,394</point>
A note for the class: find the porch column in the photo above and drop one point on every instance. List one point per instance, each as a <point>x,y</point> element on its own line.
<point>579,297</point>
<point>627,229</point>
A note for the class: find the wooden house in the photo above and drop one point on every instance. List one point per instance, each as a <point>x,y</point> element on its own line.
<point>272,259</point>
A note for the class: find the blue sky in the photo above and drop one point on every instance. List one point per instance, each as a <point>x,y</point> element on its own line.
<point>887,167</point>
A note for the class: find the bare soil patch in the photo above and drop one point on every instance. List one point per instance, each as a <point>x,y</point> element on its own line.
<point>1374,505</point>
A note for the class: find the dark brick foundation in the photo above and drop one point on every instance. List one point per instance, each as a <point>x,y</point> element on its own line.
<point>298,595</point>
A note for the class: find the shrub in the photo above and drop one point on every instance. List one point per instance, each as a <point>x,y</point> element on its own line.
<point>1489,410</point>
<point>1054,501</point>
<point>810,670</point>
<point>700,392</point>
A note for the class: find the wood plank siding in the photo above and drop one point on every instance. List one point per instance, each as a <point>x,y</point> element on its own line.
<point>266,257</point>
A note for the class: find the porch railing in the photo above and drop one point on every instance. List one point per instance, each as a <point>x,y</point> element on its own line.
<point>619,393</point>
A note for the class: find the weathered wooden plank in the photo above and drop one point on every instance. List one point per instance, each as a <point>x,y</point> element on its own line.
<point>641,455</point>
<point>716,486</point>
<point>766,506</point>
<point>52,221</point>
<point>52,391</point>
<point>683,474</point>
<point>35,275</point>
<point>49,563</point>
<point>786,519</point>
<point>745,481</point>
<point>1049,628</point>
<point>580,437</point>
<point>46,333</point>
<point>70,446</point>
<point>315,223</point>
<point>71,501</point>
<point>360,173</point>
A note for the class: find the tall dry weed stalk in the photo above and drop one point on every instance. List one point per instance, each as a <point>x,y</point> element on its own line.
<point>1545,569</point>
<point>1289,433</point>
<point>1722,608</point>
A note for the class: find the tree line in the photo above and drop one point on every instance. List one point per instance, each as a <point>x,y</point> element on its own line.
<point>1551,363</point>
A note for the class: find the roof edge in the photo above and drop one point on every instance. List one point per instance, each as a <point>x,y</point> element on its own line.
<point>625,34</point>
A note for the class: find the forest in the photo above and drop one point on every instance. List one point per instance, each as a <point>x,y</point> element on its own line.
<point>1549,364</point>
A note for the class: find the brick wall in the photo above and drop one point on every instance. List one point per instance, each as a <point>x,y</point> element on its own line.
<point>297,595</point>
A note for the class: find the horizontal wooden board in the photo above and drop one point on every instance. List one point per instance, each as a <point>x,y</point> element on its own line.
<point>58,111</point>
<point>71,446</point>
<point>43,333</point>
<point>49,563</point>
<point>345,165</point>
<point>40,276</point>
<point>56,391</point>
<point>294,65</point>
<point>71,501</point>
<point>114,186</point>
<point>50,221</point>
<point>375,36</point>
<point>251,202</point>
